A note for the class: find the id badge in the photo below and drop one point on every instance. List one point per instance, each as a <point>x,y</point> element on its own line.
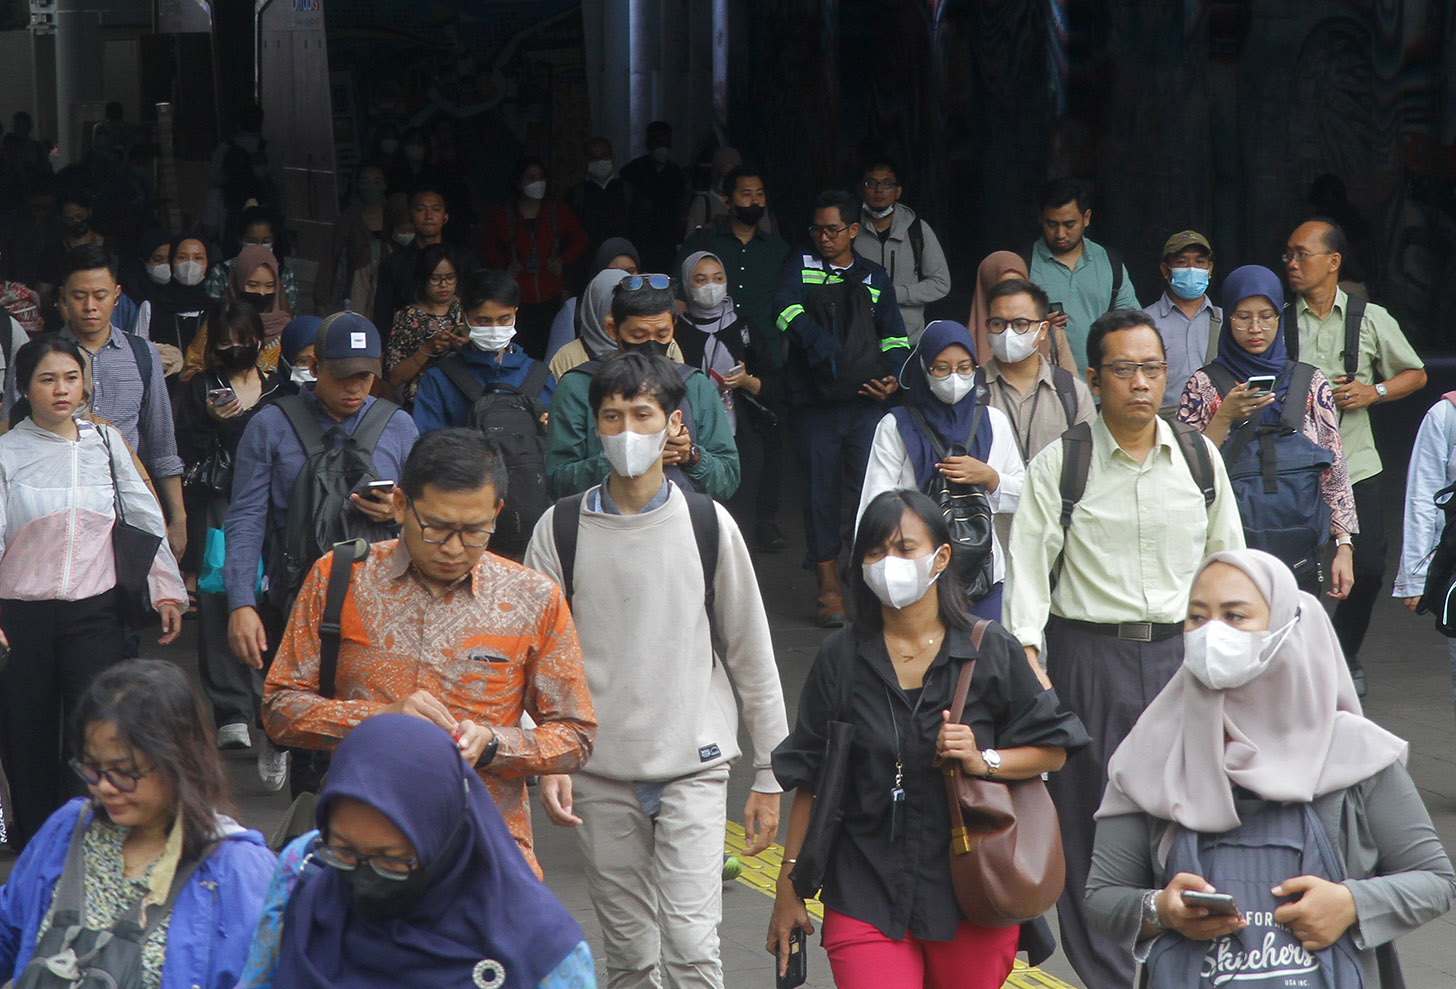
<point>897,813</point>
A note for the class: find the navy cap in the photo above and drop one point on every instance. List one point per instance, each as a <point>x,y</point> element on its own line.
<point>301,331</point>
<point>348,344</point>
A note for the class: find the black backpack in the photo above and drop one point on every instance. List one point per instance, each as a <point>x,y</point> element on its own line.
<point>966,509</point>
<point>1275,472</point>
<point>510,418</point>
<point>845,309</point>
<point>319,511</point>
<point>1441,571</point>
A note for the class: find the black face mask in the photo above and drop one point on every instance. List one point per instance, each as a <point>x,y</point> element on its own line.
<point>237,358</point>
<point>383,899</point>
<point>261,301</point>
<point>748,215</point>
<point>76,228</point>
<point>651,348</point>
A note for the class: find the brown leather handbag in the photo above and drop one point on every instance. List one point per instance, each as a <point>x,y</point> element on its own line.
<point>1005,841</point>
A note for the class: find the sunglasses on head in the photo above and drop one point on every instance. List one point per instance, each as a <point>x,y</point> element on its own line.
<point>635,283</point>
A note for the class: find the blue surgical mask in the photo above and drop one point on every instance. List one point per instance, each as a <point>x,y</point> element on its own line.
<point>1189,283</point>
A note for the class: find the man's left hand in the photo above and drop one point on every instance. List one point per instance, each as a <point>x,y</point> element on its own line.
<point>679,446</point>
<point>473,740</point>
<point>379,505</point>
<point>1350,395</point>
<point>880,388</point>
<point>761,820</point>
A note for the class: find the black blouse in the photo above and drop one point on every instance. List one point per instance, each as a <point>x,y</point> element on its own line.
<point>905,885</point>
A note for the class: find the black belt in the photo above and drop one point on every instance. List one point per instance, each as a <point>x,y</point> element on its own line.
<point>1131,631</point>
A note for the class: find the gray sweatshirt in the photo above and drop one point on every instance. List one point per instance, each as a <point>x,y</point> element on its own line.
<point>896,255</point>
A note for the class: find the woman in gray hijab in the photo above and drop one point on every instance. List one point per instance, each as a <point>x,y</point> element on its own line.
<point>1257,829</point>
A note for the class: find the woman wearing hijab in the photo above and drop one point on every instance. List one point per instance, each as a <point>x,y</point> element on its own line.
<point>1251,343</point>
<point>998,267</point>
<point>255,280</point>
<point>411,880</point>
<point>940,382</point>
<point>593,344</point>
<point>719,339</point>
<point>615,252</point>
<point>1254,774</point>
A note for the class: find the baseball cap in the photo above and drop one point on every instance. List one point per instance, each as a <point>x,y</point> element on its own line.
<point>1186,238</point>
<point>347,344</point>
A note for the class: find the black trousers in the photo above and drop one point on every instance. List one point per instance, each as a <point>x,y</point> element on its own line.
<point>56,649</point>
<point>1352,615</point>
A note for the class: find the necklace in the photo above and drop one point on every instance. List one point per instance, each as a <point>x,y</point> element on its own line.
<point>906,657</point>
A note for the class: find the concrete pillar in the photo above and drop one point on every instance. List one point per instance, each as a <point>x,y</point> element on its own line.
<point>79,54</point>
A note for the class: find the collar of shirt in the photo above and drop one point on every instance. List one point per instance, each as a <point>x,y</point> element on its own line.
<point>725,230</point>
<point>115,340</point>
<point>1091,252</point>
<point>1341,300</point>
<point>1166,306</point>
<point>1105,445</point>
<point>992,369</point>
<point>599,500</point>
<point>397,565</point>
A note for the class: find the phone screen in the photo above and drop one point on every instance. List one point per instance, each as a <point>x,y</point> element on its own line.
<point>1055,309</point>
<point>1261,384</point>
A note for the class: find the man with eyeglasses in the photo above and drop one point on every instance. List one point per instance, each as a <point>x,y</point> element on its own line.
<point>436,627</point>
<point>845,343</point>
<point>893,237</point>
<point>1186,318</point>
<point>1155,501</point>
<point>430,215</point>
<point>1382,367</point>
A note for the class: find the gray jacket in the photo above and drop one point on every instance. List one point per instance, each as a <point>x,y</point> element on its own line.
<point>896,257</point>
<point>1378,823</point>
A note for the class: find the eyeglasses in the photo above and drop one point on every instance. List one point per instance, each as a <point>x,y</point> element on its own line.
<point>1152,370</point>
<point>829,231</point>
<point>1243,320</point>
<point>439,535</point>
<point>347,860</point>
<point>258,243</point>
<point>996,324</point>
<point>1300,257</point>
<point>880,184</point>
<point>942,370</point>
<point>444,279</point>
<point>121,780</point>
<point>635,283</point>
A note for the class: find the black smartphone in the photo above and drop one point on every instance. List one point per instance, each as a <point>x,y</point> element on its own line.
<point>221,396</point>
<point>1221,904</point>
<point>1260,384</point>
<point>798,969</point>
<point>1055,309</point>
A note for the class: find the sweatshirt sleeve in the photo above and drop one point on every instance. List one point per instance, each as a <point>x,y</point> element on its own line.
<point>934,282</point>
<point>717,470</point>
<point>570,466</point>
<point>1423,523</point>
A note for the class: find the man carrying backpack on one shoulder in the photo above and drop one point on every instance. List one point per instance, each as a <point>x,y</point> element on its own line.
<point>302,482</point>
<point>495,387</point>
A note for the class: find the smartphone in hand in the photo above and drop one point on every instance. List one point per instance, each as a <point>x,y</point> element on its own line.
<point>1221,904</point>
<point>380,487</point>
<point>221,396</point>
<point>798,969</point>
<point>1260,384</point>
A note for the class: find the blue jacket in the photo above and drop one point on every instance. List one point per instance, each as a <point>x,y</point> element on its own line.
<point>212,921</point>
<point>439,404</point>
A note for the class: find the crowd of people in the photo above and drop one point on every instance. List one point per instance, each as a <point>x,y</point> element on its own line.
<point>485,522</point>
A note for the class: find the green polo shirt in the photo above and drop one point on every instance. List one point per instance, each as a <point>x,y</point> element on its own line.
<point>753,271</point>
<point>1382,347</point>
<point>1085,291</point>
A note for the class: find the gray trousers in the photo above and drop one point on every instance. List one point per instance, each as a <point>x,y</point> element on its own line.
<point>235,690</point>
<point>1107,682</point>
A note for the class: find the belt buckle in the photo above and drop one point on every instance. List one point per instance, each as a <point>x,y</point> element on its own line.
<point>1136,631</point>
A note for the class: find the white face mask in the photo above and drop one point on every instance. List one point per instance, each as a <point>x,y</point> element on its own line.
<point>953,387</point>
<point>709,294</point>
<point>1222,657</point>
<point>189,272</point>
<point>899,582</point>
<point>1011,347</point>
<point>302,376</point>
<point>661,155</point>
<point>879,214</point>
<point>633,454</point>
<point>535,190</point>
<point>599,168</point>
<point>492,339</point>
<point>405,239</point>
<point>159,273</point>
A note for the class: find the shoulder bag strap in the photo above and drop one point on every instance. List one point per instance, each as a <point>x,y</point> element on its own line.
<point>703,513</point>
<point>70,889</point>
<point>1296,399</point>
<point>535,380</point>
<point>454,369</point>
<point>844,695</point>
<point>952,767</point>
<point>565,522</point>
<point>111,466</point>
<point>1221,377</point>
<point>925,430</point>
<point>330,627</point>
<point>1291,330</point>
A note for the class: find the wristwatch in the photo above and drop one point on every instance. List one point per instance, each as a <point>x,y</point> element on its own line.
<point>1344,539</point>
<point>488,754</point>
<point>993,762</point>
<point>1150,910</point>
<point>695,454</point>
<point>1382,391</point>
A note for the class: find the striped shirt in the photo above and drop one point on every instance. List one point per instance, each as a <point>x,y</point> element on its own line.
<point>142,413</point>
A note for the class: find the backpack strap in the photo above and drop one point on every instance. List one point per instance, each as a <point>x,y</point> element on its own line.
<point>1215,329</point>
<point>1200,464</point>
<point>535,380</point>
<point>925,430</point>
<point>1354,316</point>
<point>1291,331</point>
<point>371,426</point>
<point>460,376</point>
<point>1114,258</point>
<point>703,513</point>
<point>1076,463</point>
<point>1296,399</point>
<point>1066,386</point>
<point>916,236</point>
<point>565,521</point>
<point>141,350</point>
<point>1222,378</point>
<point>305,426</point>
<point>330,627</point>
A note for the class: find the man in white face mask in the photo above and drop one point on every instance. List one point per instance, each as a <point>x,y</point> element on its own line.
<point>893,237</point>
<point>635,564</point>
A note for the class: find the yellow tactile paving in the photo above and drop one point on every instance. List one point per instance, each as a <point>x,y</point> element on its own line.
<point>761,873</point>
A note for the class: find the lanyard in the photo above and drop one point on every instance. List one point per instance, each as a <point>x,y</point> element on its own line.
<point>897,790</point>
<point>1024,444</point>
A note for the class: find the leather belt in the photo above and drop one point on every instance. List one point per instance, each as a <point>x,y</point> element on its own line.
<point>1130,631</point>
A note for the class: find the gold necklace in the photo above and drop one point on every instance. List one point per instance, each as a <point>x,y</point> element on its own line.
<point>906,657</point>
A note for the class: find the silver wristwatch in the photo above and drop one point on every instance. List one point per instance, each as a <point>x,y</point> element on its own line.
<point>993,762</point>
<point>1150,910</point>
<point>1382,391</point>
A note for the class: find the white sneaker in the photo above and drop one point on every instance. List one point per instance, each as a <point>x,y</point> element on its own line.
<point>272,766</point>
<point>234,736</point>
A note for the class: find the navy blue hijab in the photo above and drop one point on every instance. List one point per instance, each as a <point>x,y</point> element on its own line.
<point>952,423</point>
<point>1243,283</point>
<point>485,904</point>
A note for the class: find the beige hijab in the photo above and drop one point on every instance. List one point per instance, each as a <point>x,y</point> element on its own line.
<point>998,266</point>
<point>1293,733</point>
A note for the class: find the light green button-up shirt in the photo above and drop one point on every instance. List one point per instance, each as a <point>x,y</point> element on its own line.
<point>1382,347</point>
<point>1136,538</point>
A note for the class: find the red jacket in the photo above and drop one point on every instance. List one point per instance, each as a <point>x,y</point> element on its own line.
<point>509,239</point>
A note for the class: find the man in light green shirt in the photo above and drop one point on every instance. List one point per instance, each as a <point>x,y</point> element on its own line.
<point>1312,263</point>
<point>1113,625</point>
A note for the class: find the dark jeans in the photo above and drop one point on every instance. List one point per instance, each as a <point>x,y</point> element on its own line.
<point>1352,615</point>
<point>761,456</point>
<point>56,649</point>
<point>833,446</point>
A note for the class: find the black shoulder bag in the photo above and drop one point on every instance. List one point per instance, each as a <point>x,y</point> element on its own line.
<point>827,813</point>
<point>135,549</point>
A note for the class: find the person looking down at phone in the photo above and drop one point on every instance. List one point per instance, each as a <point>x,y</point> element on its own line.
<point>255,280</point>
<point>430,327</point>
<point>890,911</point>
<point>1252,352</point>
<point>1255,774</point>
<point>700,453</point>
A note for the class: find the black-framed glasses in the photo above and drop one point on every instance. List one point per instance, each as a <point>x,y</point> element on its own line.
<point>831,231</point>
<point>449,278</point>
<point>1301,256</point>
<point>121,780</point>
<point>635,283</point>
<point>995,324</point>
<point>1152,370</point>
<point>347,860</point>
<point>473,537</point>
<point>885,184</point>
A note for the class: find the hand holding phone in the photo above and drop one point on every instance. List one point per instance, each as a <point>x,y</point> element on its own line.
<point>378,488</point>
<point>1260,384</point>
<point>1219,904</point>
<point>798,966</point>
<point>221,396</point>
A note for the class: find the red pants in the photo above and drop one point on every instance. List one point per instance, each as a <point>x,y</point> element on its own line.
<point>863,958</point>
